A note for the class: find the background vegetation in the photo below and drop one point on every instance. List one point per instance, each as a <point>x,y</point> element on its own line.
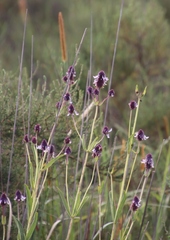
<point>142,58</point>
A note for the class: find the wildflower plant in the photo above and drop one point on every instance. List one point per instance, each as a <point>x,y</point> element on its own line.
<point>82,166</point>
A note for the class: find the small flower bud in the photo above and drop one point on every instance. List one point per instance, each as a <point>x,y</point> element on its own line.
<point>140,135</point>
<point>106,131</point>
<point>26,138</point>
<point>37,128</point>
<point>4,200</point>
<point>136,203</point>
<point>133,105</point>
<point>111,93</point>
<point>67,151</point>
<point>34,140</point>
<point>67,140</point>
<point>100,79</point>
<point>148,161</point>
<point>19,197</point>
<point>96,92</point>
<point>96,152</point>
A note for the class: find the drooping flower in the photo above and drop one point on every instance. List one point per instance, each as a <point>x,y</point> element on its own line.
<point>37,128</point>
<point>90,90</point>
<point>4,200</point>
<point>43,145</point>
<point>67,151</point>
<point>136,203</point>
<point>133,105</point>
<point>96,92</point>
<point>70,75</point>
<point>34,140</point>
<point>50,150</point>
<point>71,110</point>
<point>58,105</point>
<point>111,93</point>
<point>140,136</point>
<point>26,138</point>
<point>67,97</point>
<point>106,131</point>
<point>148,161</point>
<point>19,197</point>
<point>67,140</point>
<point>96,152</point>
<point>100,79</point>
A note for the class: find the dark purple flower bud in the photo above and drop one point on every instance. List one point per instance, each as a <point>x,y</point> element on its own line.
<point>135,204</point>
<point>67,97</point>
<point>111,93</point>
<point>67,151</point>
<point>100,79</point>
<point>43,145</point>
<point>148,161</point>
<point>133,105</point>
<point>96,152</point>
<point>71,110</point>
<point>34,140</point>
<point>90,90</point>
<point>19,197</point>
<point>65,78</point>
<point>106,131</point>
<point>4,200</point>
<point>58,105</point>
<point>140,135</point>
<point>96,92</point>
<point>26,138</point>
<point>71,74</point>
<point>67,140</point>
<point>37,128</point>
<point>50,150</point>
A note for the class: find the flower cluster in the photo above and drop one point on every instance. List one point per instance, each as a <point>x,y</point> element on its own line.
<point>70,75</point>
<point>45,148</point>
<point>18,197</point>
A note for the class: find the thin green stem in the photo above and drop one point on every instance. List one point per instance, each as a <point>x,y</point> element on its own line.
<point>66,182</point>
<point>3,232</point>
<point>132,168</point>
<point>69,229</point>
<point>100,201</point>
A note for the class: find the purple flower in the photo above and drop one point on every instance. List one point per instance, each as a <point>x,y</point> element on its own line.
<point>67,140</point>
<point>106,131</point>
<point>43,145</point>
<point>135,204</point>
<point>67,97</point>
<point>34,140</point>
<point>96,152</point>
<point>133,105</point>
<point>37,128</point>
<point>148,161</point>
<point>111,93</point>
<point>71,110</point>
<point>96,92</point>
<point>26,138</point>
<point>4,200</point>
<point>70,75</point>
<point>65,78</point>
<point>67,151</point>
<point>90,90</point>
<point>58,105</point>
<point>140,135</point>
<point>50,150</point>
<point>19,197</point>
<point>100,79</point>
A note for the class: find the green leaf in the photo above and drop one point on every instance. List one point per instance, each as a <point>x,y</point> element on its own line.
<point>77,205</point>
<point>34,150</point>
<point>83,143</point>
<point>64,201</point>
<point>85,199</point>
<point>21,235</point>
<point>144,91</point>
<point>32,227</point>
<point>31,175</point>
<point>119,212</point>
<point>51,162</point>
<point>112,205</point>
<point>29,200</point>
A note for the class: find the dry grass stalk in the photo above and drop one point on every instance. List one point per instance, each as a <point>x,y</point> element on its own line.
<point>62,37</point>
